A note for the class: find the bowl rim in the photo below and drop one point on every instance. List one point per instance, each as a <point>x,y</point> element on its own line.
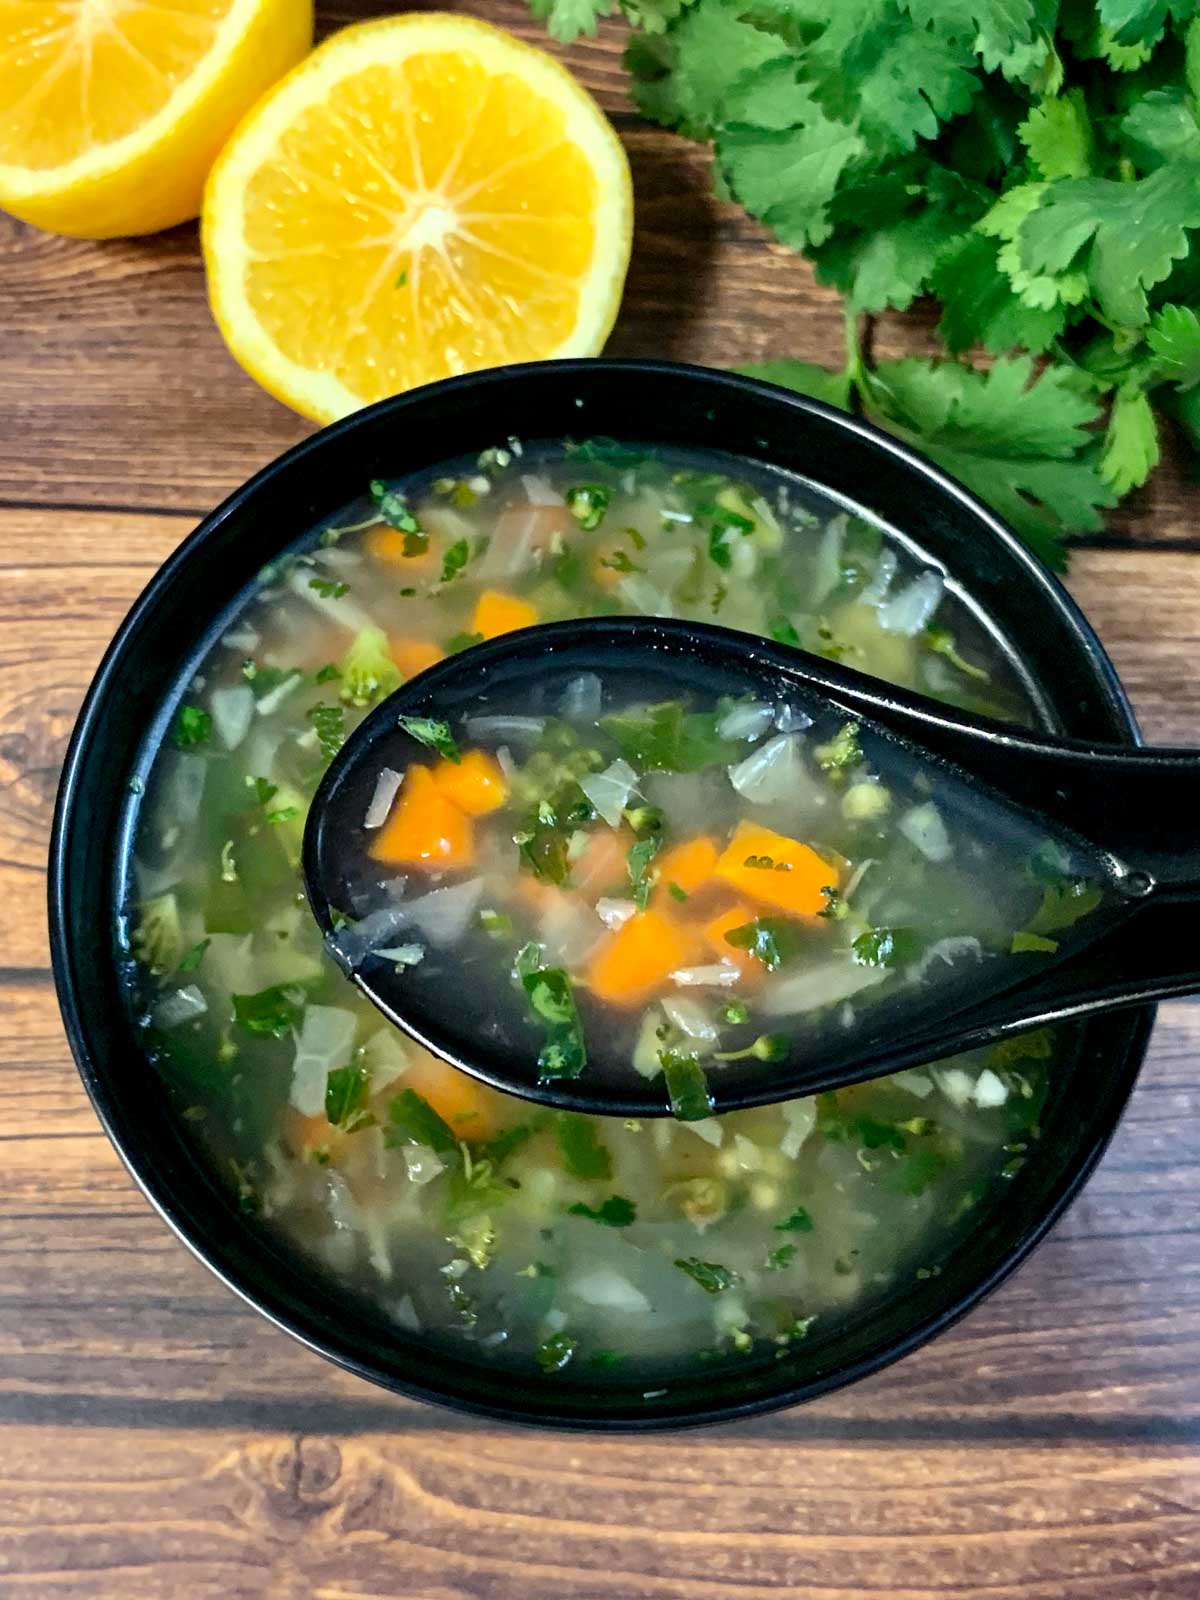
<point>94,1071</point>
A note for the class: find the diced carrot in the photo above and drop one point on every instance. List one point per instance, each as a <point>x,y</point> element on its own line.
<point>790,875</point>
<point>688,865</point>
<point>497,613</point>
<point>635,962</point>
<point>475,784</point>
<point>388,546</point>
<point>425,829</point>
<point>310,1137</point>
<point>414,655</point>
<point>601,866</point>
<point>467,1106</point>
<point>714,934</point>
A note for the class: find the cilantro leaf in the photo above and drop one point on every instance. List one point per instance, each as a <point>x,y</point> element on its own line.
<point>665,738</point>
<point>433,734</point>
<point>886,947</point>
<point>781,155</point>
<point>1018,441</point>
<point>1133,22</point>
<point>1058,135</point>
<point>1131,450</point>
<point>566,19</point>
<point>1159,127</point>
<point>1125,236</point>
<point>637,865</point>
<point>981,306</point>
<point>682,79</point>
<point>329,722</point>
<point>687,1087</point>
<point>805,377</point>
<point>799,1221</point>
<point>998,27</point>
<point>1174,340</point>
<point>615,1212</point>
<point>584,1155</point>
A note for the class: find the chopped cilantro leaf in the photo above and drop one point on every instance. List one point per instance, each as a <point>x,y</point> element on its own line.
<point>637,864</point>
<point>710,1275</point>
<point>455,559</point>
<point>556,1352</point>
<point>687,1087</point>
<point>771,940</point>
<point>782,1257</point>
<point>330,725</point>
<point>552,1001</point>
<point>886,947</point>
<point>584,1154</point>
<point>412,1120</point>
<point>393,508</point>
<point>347,1091</point>
<point>432,733</point>
<point>798,1222</point>
<point>666,738</point>
<point>615,1212</point>
<point>271,1012</point>
<point>328,588</point>
<point>192,727</point>
<point>587,503</point>
<point>192,958</point>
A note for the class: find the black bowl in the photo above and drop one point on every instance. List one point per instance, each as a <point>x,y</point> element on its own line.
<point>189,602</point>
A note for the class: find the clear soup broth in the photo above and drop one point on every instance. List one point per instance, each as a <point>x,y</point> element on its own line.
<point>548,1242</point>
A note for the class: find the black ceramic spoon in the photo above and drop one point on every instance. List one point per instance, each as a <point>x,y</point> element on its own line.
<point>1127,819</point>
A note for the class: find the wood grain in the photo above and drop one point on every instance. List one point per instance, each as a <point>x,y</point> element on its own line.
<point>158,1440</point>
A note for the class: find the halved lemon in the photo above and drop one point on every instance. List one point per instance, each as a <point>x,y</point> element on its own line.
<point>424,196</point>
<point>111,111</point>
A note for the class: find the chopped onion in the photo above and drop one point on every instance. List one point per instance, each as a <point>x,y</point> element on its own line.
<point>325,1041</point>
<point>539,492</point>
<point>232,713</point>
<point>516,541</point>
<point>691,1018</point>
<point>404,1315</point>
<point>825,985</point>
<point>569,930</point>
<point>716,975</point>
<point>605,1286</point>
<point>582,699</point>
<point>404,955</point>
<point>644,597</point>
<point>750,720</point>
<point>875,591</point>
<point>184,1005</point>
<point>747,1155</point>
<point>345,612</point>
<point>908,612</point>
<point>772,772</point>
<point>948,950</point>
<point>519,729</point>
<point>271,702</point>
<point>645,1057</point>
<point>385,1057</point>
<point>827,572</point>
<point>350,945</point>
<point>387,786</point>
<point>423,1164</point>
<point>800,1119</point>
<point>916,1083</point>
<point>184,789</point>
<point>955,1084</point>
<point>708,1128</point>
<point>790,719</point>
<point>443,915</point>
<point>504,760</point>
<point>688,800</point>
<point>615,913</point>
<point>244,638</point>
<point>924,828</point>
<point>609,791</point>
<point>990,1090</point>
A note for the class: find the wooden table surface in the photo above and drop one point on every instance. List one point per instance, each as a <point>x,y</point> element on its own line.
<point>158,1439</point>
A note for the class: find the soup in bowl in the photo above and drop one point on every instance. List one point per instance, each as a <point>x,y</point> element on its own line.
<point>650,871</point>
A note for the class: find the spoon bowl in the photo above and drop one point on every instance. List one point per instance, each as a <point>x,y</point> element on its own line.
<point>1105,812</point>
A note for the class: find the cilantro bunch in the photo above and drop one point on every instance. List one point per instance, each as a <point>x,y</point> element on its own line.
<point>1032,164</point>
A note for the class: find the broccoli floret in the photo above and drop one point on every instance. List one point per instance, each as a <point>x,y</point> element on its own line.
<point>157,938</point>
<point>841,753</point>
<point>368,671</point>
